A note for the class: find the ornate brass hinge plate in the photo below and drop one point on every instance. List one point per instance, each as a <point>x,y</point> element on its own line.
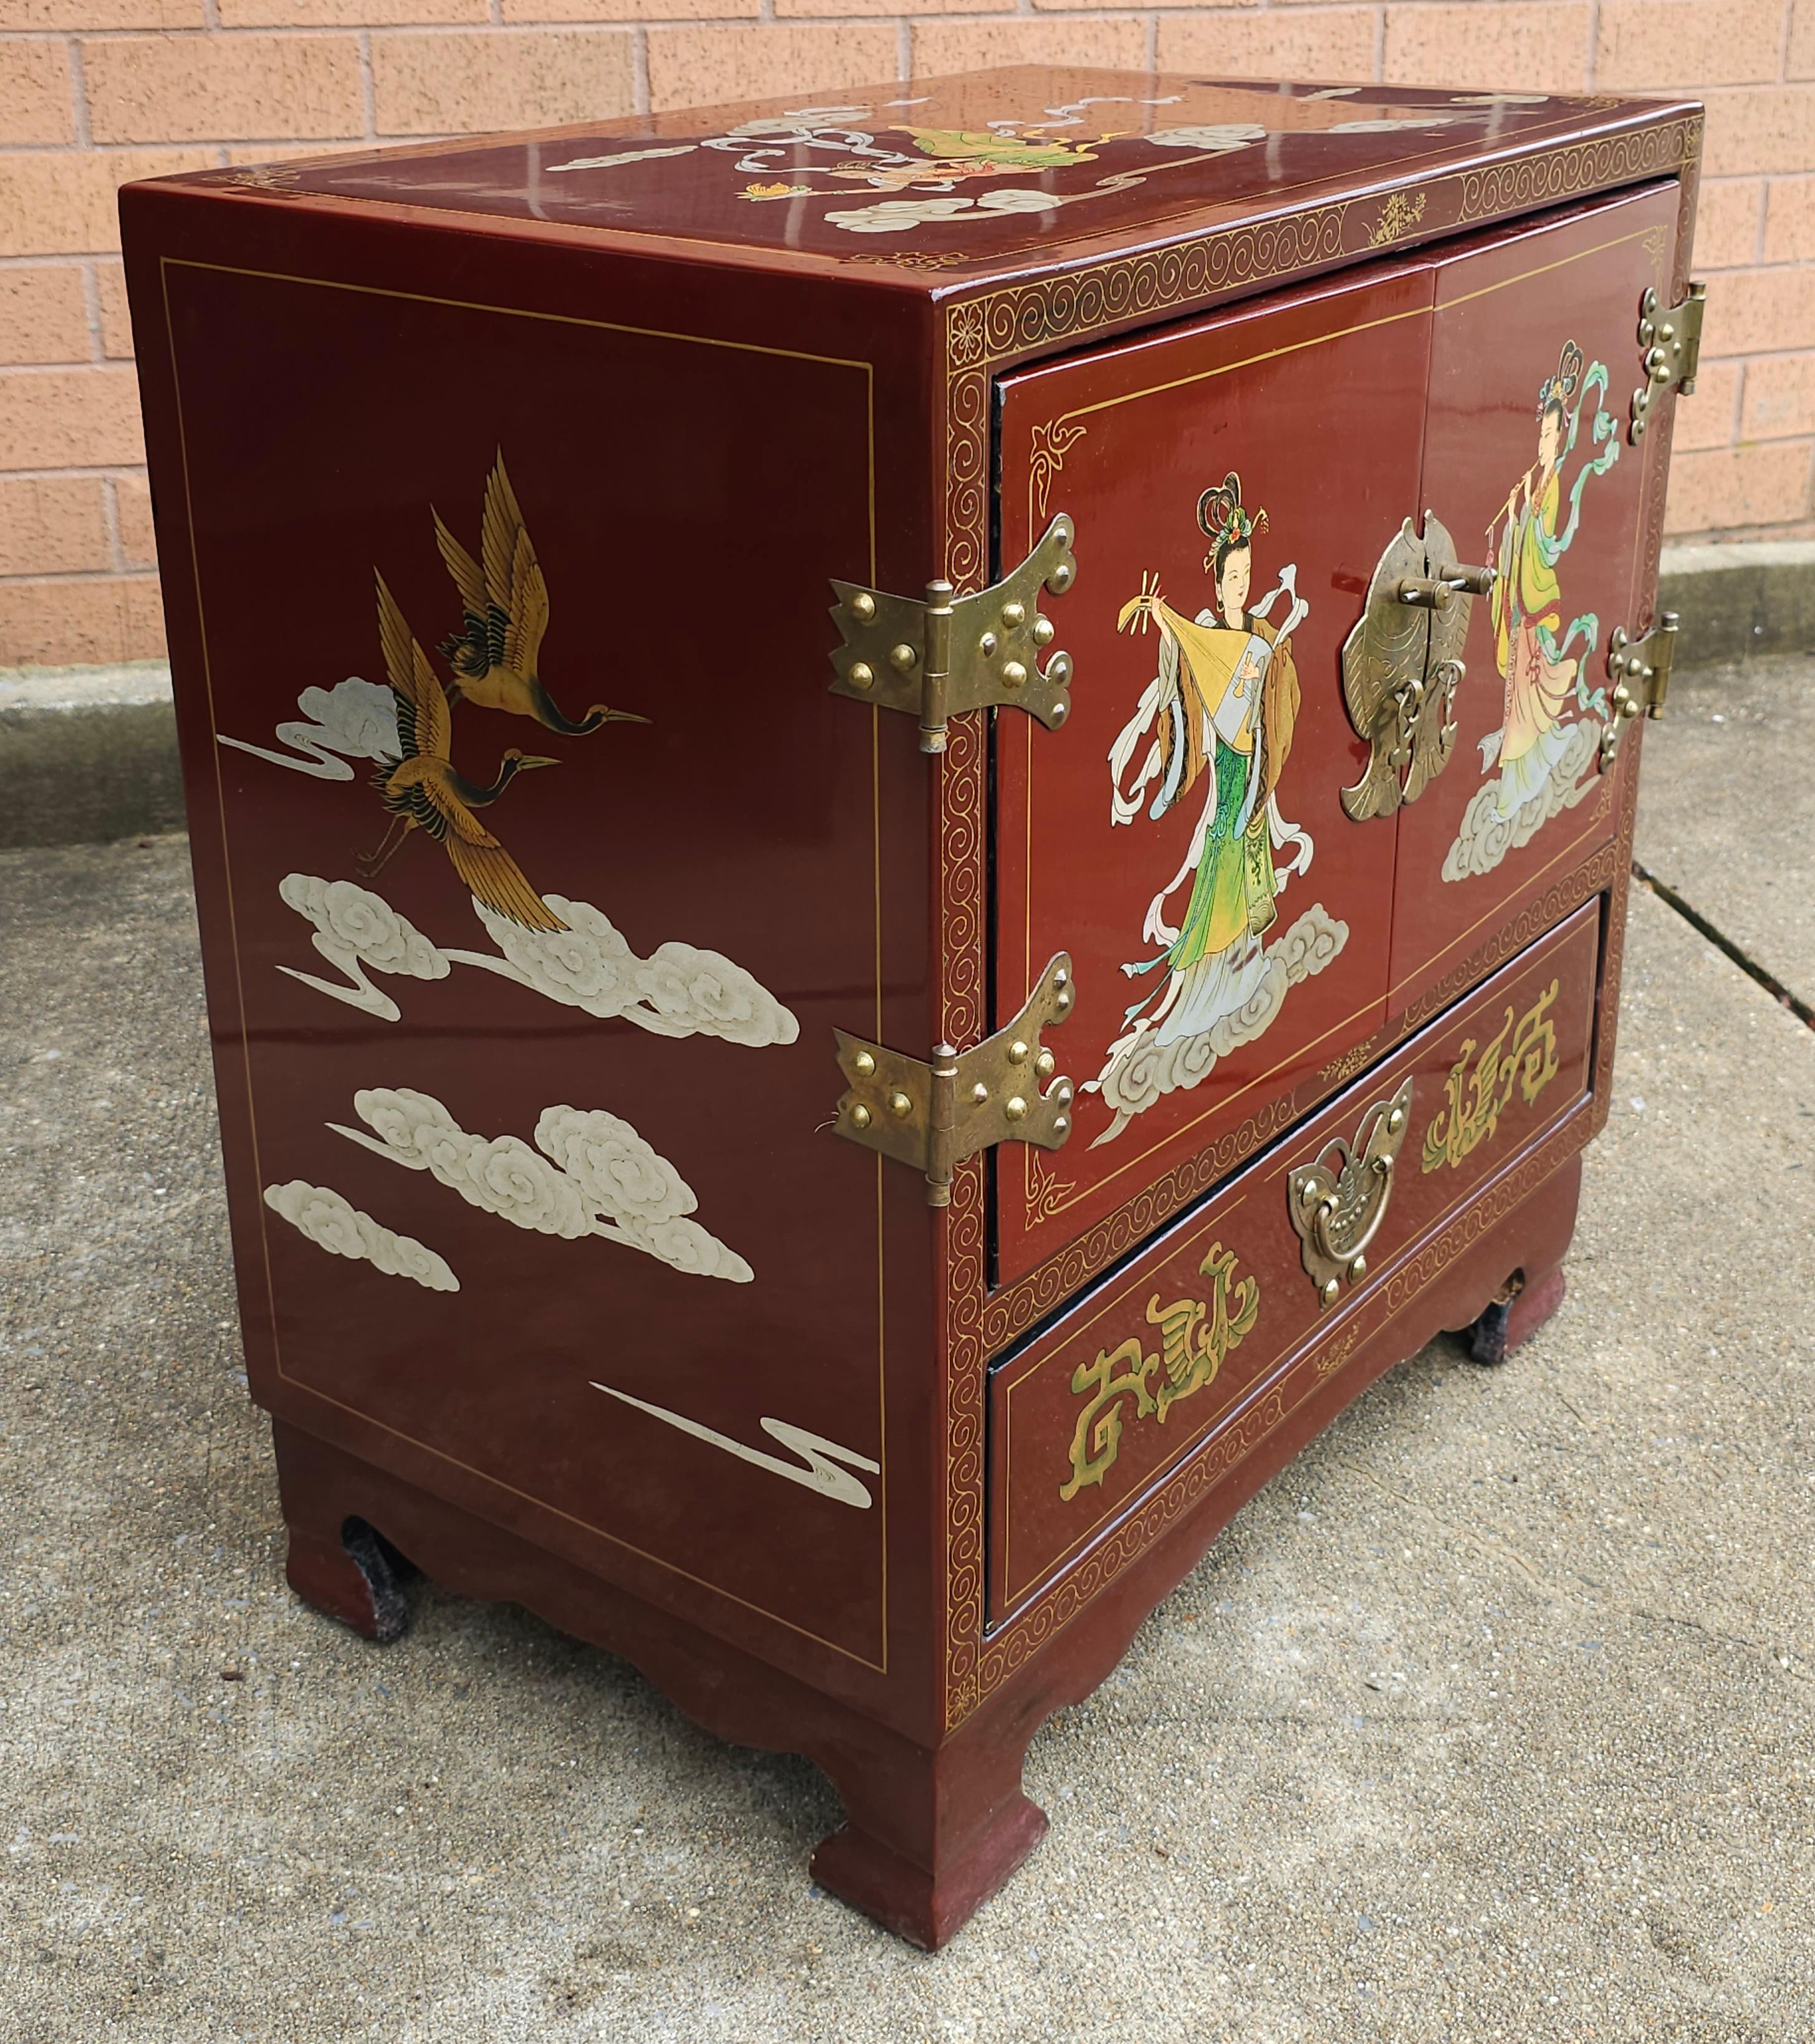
<point>1670,343</point>
<point>1338,1203</point>
<point>932,1116</point>
<point>1640,669</point>
<point>937,659</point>
<point>1402,662</point>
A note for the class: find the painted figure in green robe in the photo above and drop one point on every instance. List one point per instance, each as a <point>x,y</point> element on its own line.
<point>1540,660</point>
<point>1221,710</point>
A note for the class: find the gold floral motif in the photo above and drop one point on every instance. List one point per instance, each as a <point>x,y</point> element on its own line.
<point>1048,1193</point>
<point>1050,445</point>
<point>1398,216</point>
<point>1194,1337</point>
<point>1473,1103</point>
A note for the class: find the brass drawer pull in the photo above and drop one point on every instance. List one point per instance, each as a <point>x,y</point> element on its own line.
<point>1337,1212</point>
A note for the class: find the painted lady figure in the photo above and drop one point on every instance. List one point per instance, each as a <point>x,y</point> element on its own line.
<point>1221,710</point>
<point>1532,646</point>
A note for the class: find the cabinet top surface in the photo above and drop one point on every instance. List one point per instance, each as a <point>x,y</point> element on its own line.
<point>994,170</point>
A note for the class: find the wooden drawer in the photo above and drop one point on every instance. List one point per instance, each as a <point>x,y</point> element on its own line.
<point>1174,1356</point>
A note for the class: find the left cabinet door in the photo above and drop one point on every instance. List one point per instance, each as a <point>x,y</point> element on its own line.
<point>1233,482</point>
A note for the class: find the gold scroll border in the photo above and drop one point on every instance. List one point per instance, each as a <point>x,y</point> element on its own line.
<point>166,264</point>
<point>981,332</point>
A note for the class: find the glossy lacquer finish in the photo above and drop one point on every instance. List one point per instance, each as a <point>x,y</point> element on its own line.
<point>500,489</point>
<point>1315,405</point>
<point>1189,1355</point>
<point>1529,462</point>
<point>563,1169</point>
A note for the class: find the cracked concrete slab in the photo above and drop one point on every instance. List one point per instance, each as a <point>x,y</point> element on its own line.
<point>1491,1719</point>
<point>1726,816</point>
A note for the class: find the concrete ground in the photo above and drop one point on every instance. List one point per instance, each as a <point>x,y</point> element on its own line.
<point>1492,1719</point>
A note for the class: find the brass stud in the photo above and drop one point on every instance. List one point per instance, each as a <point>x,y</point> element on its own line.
<point>1358,1270</point>
<point>1062,1094</point>
<point>863,1064</point>
<point>859,1116</point>
<point>986,645</point>
<point>1013,615</point>
<point>1017,1053</point>
<point>1395,1121</point>
<point>900,1106</point>
<point>1331,1291</point>
<point>1015,1108</point>
<point>1059,712</point>
<point>1059,671</point>
<point>863,606</point>
<point>1013,674</point>
<point>1044,631</point>
<point>1061,978</point>
<point>980,1092</point>
<point>1044,1063</point>
<point>862,675</point>
<point>903,657</point>
<point>1060,1126</point>
<point>1063,1003</point>
<point>1060,578</point>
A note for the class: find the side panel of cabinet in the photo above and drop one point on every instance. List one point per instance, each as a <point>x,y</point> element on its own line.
<point>1233,483</point>
<point>527,1205</point>
<point>1528,464</point>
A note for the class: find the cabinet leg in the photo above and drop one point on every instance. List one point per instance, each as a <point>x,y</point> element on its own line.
<point>928,1835</point>
<point>336,1563</point>
<point>1511,1320</point>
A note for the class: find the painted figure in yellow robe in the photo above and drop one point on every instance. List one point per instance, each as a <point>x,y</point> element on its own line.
<point>1540,660</point>
<point>1221,709</point>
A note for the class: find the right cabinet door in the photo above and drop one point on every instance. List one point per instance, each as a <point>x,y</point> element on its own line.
<point>1529,467</point>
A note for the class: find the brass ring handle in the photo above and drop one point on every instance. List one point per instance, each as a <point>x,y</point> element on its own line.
<point>1337,1213</point>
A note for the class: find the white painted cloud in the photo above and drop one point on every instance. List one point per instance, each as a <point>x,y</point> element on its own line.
<point>680,989</point>
<point>334,1224</point>
<point>354,717</point>
<point>1143,1068</point>
<point>591,1174</point>
<point>1486,835</point>
<point>355,929</point>
<point>1221,135</point>
<point>895,216</point>
<point>817,1469</point>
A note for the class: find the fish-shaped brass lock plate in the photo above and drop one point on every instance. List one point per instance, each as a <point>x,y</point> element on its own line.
<point>1402,664</point>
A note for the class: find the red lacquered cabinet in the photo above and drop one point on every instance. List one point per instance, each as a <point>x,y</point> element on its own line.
<point>911,821</point>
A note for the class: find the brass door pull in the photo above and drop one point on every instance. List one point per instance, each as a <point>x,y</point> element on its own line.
<point>1337,1212</point>
<point>1436,591</point>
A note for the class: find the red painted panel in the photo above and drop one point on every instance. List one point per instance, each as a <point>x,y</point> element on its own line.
<point>1314,402</point>
<point>1552,312</point>
<point>1070,1451</point>
<point>494,1168</point>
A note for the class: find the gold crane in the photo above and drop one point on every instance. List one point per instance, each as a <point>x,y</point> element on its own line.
<point>506,613</point>
<point>425,790</point>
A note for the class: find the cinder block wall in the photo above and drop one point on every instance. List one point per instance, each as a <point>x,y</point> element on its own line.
<point>93,92</point>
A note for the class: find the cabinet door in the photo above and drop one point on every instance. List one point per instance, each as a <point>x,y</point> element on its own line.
<point>1232,482</point>
<point>1534,359</point>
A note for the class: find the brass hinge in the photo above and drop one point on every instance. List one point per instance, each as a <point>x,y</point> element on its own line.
<point>1640,669</point>
<point>1670,343</point>
<point>937,659</point>
<point>932,1116</point>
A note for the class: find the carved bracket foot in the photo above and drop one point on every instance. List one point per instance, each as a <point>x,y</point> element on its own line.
<point>928,1907</point>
